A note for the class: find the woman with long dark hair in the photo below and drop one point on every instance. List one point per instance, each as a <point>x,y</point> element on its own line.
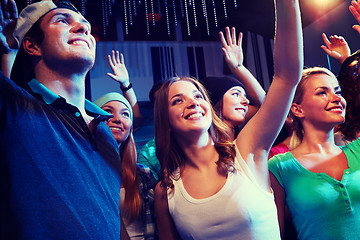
<point>212,188</point>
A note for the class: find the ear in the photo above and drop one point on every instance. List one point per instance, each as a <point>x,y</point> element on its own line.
<point>31,47</point>
<point>297,110</point>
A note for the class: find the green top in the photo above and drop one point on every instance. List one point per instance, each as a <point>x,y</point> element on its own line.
<point>147,157</point>
<point>321,206</point>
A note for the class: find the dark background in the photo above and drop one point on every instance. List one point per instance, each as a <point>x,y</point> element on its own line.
<point>109,24</point>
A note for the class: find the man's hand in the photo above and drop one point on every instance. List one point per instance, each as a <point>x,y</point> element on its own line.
<point>8,18</point>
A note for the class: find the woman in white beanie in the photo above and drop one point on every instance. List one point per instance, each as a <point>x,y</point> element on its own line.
<point>138,183</point>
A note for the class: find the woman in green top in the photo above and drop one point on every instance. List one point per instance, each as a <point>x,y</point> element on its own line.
<point>318,181</point>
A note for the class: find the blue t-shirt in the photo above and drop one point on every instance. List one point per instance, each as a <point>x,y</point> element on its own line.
<point>58,179</point>
<point>321,206</point>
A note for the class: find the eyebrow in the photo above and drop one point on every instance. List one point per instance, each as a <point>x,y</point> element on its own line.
<point>180,94</point>
<point>176,95</point>
<point>242,90</point>
<point>124,109</point>
<point>70,16</point>
<point>239,89</point>
<point>325,88</point>
<point>106,106</point>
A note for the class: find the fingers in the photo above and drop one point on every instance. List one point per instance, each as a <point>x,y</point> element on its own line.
<point>233,36</point>
<point>326,40</point>
<point>240,39</point>
<point>9,9</point>
<point>117,57</point>
<point>2,8</point>
<point>111,75</point>
<point>13,9</point>
<point>110,60</point>
<point>357,28</point>
<point>355,10</point>
<point>326,50</point>
<point>224,52</point>
<point>355,5</point>
<point>5,9</point>
<point>122,59</point>
<point>342,40</point>
<point>228,36</point>
<point>331,53</point>
<point>113,56</point>
<point>333,41</point>
<point>336,38</point>
<point>222,39</point>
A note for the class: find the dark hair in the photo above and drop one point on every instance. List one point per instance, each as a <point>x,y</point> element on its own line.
<point>169,152</point>
<point>153,90</point>
<point>350,86</point>
<point>23,70</point>
<point>217,86</point>
<point>65,4</point>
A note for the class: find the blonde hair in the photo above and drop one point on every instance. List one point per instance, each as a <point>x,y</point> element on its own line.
<point>299,94</point>
<point>169,152</point>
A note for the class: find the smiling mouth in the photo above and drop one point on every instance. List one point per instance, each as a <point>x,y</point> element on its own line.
<point>80,42</point>
<point>194,116</point>
<point>117,129</point>
<point>336,109</point>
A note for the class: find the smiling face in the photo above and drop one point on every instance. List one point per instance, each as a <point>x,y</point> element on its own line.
<point>188,110</point>
<point>234,106</point>
<point>67,36</point>
<point>120,124</point>
<point>322,102</point>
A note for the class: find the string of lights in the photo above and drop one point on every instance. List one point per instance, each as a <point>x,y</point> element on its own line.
<point>205,14</point>
<point>159,18</point>
<point>173,12</point>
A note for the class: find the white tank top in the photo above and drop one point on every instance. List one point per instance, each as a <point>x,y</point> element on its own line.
<point>240,210</point>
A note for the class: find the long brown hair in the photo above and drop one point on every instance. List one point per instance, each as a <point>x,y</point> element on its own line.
<point>299,94</point>
<point>168,151</point>
<point>128,156</point>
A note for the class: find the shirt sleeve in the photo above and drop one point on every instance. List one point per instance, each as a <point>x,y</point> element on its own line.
<point>12,101</point>
<point>352,152</point>
<point>275,168</point>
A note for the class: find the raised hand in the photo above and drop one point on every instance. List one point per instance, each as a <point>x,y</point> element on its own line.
<point>232,49</point>
<point>355,10</point>
<point>8,18</point>
<point>234,58</point>
<point>120,73</point>
<point>336,47</point>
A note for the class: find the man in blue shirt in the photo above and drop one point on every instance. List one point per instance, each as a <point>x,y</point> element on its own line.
<point>59,168</point>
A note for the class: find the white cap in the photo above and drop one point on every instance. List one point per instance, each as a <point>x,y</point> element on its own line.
<point>28,16</point>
